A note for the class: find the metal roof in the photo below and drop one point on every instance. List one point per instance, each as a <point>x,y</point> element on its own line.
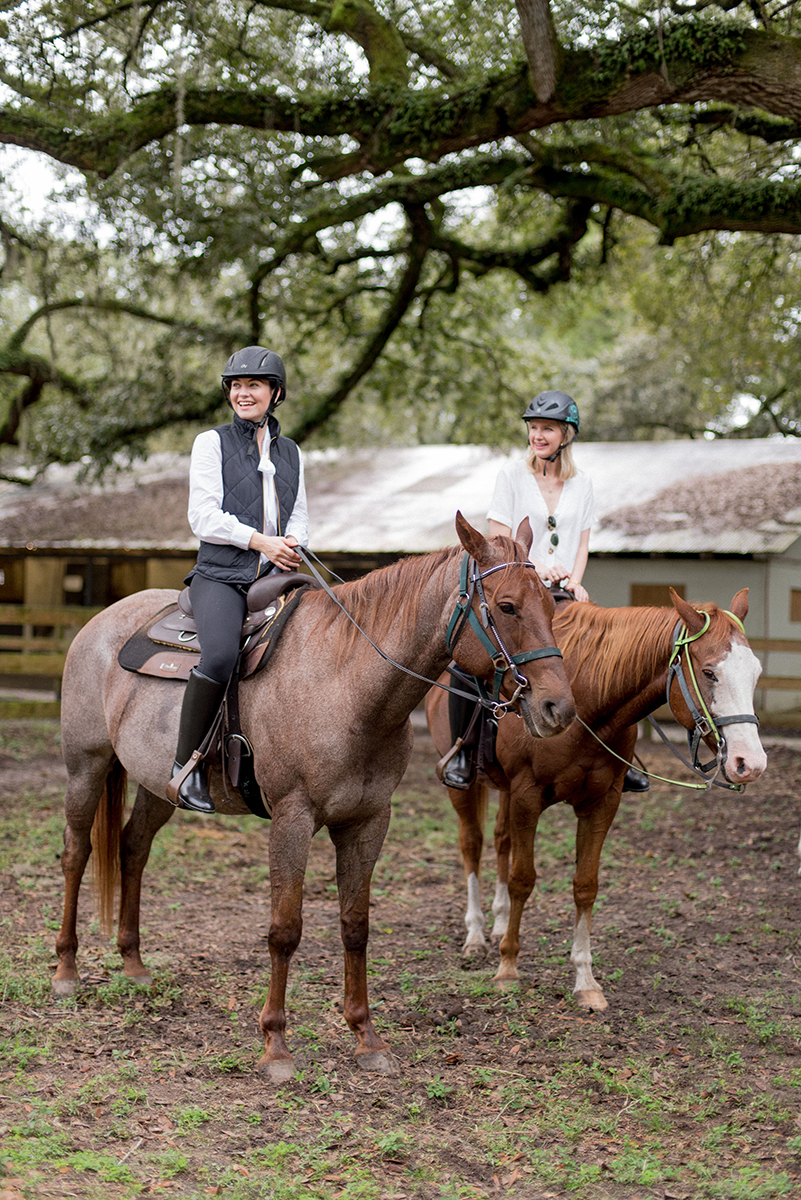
<point>405,500</point>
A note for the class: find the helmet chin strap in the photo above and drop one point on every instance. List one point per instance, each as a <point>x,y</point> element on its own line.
<point>552,458</point>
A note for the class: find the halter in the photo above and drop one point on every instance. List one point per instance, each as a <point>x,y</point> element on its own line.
<point>704,723</point>
<point>464,613</point>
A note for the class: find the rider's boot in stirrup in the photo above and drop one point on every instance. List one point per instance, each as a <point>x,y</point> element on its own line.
<point>635,781</point>
<point>460,771</point>
<point>202,698</point>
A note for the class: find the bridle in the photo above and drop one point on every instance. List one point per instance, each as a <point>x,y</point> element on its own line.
<point>471,580</point>
<point>465,614</point>
<point>704,723</point>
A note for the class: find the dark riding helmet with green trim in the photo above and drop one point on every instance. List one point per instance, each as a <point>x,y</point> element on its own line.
<point>256,362</point>
<point>553,406</point>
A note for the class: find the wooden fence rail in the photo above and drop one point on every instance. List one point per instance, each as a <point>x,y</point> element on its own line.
<point>39,649</point>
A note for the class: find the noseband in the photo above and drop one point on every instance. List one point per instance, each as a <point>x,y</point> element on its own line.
<point>471,581</point>
<point>703,721</point>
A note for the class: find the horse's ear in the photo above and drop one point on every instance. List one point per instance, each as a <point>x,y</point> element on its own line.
<point>739,605</point>
<point>474,542</point>
<point>689,615</point>
<point>524,535</point>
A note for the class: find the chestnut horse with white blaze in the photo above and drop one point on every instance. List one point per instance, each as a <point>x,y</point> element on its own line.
<point>619,661</point>
<point>329,724</point>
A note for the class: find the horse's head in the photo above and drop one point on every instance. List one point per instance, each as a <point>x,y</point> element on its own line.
<point>725,671</point>
<point>515,620</point>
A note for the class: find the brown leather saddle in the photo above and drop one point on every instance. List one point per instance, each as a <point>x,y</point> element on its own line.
<point>168,647</point>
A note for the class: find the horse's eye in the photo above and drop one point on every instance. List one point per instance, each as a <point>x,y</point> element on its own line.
<point>710,675</point>
<point>506,607</point>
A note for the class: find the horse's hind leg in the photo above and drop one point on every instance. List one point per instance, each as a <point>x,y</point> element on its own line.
<point>357,849</point>
<point>149,813</point>
<point>470,806</point>
<point>88,778</point>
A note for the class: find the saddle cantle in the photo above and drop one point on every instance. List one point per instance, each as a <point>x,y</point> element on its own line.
<point>168,647</point>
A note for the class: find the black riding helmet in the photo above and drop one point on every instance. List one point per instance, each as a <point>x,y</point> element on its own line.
<point>553,406</point>
<point>256,362</point>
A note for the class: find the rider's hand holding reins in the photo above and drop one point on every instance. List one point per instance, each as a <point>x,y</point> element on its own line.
<point>279,550</point>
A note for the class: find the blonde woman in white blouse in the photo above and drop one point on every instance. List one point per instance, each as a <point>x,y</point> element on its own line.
<point>549,489</point>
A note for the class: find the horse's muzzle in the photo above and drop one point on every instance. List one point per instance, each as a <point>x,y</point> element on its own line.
<point>552,717</point>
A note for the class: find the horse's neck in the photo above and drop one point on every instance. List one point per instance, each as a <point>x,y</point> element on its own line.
<point>419,647</point>
<point>639,675</point>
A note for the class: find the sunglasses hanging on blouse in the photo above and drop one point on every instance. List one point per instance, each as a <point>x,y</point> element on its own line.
<point>554,535</point>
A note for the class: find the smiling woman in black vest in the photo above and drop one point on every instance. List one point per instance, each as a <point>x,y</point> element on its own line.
<point>247,505</point>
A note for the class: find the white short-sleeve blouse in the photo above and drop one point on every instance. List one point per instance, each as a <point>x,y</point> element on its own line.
<point>517,496</point>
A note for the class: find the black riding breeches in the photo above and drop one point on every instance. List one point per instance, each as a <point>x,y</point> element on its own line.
<point>219,610</point>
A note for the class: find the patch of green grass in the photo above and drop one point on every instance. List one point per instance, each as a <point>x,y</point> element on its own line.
<point>190,1118</point>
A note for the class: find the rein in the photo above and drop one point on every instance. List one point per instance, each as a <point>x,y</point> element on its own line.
<point>703,720</point>
<point>463,613</point>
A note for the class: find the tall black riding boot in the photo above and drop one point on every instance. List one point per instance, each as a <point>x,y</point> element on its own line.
<point>460,771</point>
<point>202,698</point>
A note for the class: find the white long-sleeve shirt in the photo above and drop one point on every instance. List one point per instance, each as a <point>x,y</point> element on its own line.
<point>206,517</point>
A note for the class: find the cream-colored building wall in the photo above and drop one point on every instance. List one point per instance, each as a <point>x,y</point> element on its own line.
<point>609,581</point>
<point>769,582</point>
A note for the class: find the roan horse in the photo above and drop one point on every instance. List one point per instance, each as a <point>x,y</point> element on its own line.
<point>329,723</point>
<point>618,663</point>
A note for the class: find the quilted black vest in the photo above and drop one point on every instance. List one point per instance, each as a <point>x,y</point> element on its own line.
<point>243,496</point>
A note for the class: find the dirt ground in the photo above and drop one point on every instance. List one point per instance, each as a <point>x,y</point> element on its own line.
<point>687,1086</point>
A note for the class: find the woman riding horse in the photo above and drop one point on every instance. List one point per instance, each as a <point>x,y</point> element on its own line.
<point>247,505</point>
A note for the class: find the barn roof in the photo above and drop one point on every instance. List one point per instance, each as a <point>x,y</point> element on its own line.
<point>681,497</point>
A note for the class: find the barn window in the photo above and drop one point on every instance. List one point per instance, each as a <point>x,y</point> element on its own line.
<point>795,604</point>
<point>655,595</point>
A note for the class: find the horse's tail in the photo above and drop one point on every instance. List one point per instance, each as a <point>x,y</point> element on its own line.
<point>482,802</point>
<point>106,838</point>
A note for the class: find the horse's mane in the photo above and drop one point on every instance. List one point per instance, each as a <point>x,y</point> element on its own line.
<point>388,600</point>
<point>381,601</point>
<point>604,644</point>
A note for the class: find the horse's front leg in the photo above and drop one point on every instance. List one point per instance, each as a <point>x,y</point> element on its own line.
<point>357,848</point>
<point>149,813</point>
<point>503,843</point>
<point>523,818</point>
<point>471,807</point>
<point>290,838</point>
<point>593,826</point>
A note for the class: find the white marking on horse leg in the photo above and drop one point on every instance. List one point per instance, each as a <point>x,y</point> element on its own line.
<point>474,917</point>
<point>500,910</point>
<point>587,992</point>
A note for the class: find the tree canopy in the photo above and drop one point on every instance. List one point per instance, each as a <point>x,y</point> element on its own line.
<point>381,191</point>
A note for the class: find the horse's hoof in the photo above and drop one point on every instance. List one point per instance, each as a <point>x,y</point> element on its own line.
<point>64,989</point>
<point>593,998</point>
<point>276,1070</point>
<point>506,973</point>
<point>473,948</point>
<point>507,984</point>
<point>377,1062</point>
<point>141,980</point>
